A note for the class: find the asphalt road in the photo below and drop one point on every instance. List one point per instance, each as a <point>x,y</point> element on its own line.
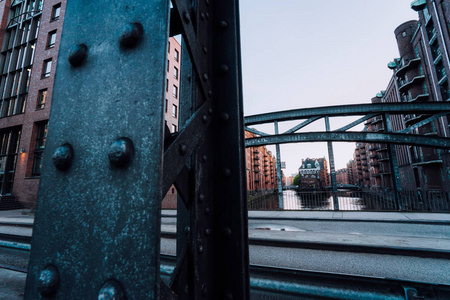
<point>409,268</point>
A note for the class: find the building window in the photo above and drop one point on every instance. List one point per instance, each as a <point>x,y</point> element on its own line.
<point>175,72</point>
<point>51,39</point>
<point>167,104</point>
<point>39,149</point>
<point>174,110</point>
<point>42,97</point>
<point>174,128</point>
<point>175,91</point>
<point>47,68</point>
<point>168,48</point>
<point>168,65</point>
<point>9,144</point>
<point>167,85</point>
<point>56,11</point>
<point>176,55</point>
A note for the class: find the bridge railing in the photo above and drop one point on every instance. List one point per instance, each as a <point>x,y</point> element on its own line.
<point>369,200</point>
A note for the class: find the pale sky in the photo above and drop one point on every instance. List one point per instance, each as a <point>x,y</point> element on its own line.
<point>303,53</point>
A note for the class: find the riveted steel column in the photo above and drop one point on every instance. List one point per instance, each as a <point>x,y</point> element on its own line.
<point>332,169</point>
<point>97,227</point>
<point>279,178</point>
<point>231,233</point>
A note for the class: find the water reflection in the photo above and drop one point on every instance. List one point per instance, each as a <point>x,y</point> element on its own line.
<point>293,200</point>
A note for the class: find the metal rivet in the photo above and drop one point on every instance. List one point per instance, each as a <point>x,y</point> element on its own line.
<point>62,157</point>
<point>227,232</point>
<point>228,295</point>
<point>226,172</point>
<point>205,50</point>
<point>208,231</point>
<point>224,116</point>
<point>202,16</point>
<point>205,77</point>
<point>77,55</point>
<point>207,16</point>
<point>111,289</point>
<point>132,35</point>
<point>187,229</point>
<point>207,211</point>
<point>48,281</point>
<point>186,17</point>
<point>223,25</point>
<point>204,290</point>
<point>207,2</point>
<point>200,248</point>
<point>121,152</point>
<point>204,118</point>
<point>224,69</point>
<point>210,93</point>
<point>201,197</point>
<point>204,158</point>
<point>210,111</point>
<point>183,149</point>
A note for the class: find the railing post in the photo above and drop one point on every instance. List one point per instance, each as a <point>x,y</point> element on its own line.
<point>393,165</point>
<point>280,186</point>
<point>332,169</point>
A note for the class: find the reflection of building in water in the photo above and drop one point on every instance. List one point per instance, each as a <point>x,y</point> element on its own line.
<point>313,174</point>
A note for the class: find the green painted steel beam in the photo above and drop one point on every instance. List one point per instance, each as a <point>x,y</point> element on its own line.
<point>395,138</point>
<point>349,110</point>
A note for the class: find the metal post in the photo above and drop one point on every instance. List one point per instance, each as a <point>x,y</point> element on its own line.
<point>332,169</point>
<point>393,165</point>
<point>279,179</point>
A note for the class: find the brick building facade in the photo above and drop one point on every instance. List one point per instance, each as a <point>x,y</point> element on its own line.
<point>30,34</point>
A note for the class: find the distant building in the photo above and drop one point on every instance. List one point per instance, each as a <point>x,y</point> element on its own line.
<point>313,174</point>
<point>342,176</point>
<point>260,168</point>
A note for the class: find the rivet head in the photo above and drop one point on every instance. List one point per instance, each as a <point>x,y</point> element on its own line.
<point>201,197</point>
<point>62,157</point>
<point>121,152</point>
<point>205,77</point>
<point>224,116</point>
<point>183,149</point>
<point>210,111</point>
<point>227,232</point>
<point>205,50</point>
<point>204,158</point>
<point>131,36</point>
<point>228,295</point>
<point>200,249</point>
<point>208,231</point>
<point>48,281</point>
<point>204,118</point>
<point>207,16</point>
<point>210,93</point>
<point>226,172</point>
<point>204,290</point>
<point>207,2</point>
<point>202,16</point>
<point>77,55</point>
<point>207,211</point>
<point>186,17</point>
<point>223,25</point>
<point>111,290</point>
<point>224,69</point>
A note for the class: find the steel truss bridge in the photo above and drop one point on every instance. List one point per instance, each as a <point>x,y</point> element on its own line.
<point>109,161</point>
<point>431,112</point>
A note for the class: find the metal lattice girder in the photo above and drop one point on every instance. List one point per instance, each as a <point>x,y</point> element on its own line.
<point>97,227</point>
<point>349,110</point>
<point>395,138</point>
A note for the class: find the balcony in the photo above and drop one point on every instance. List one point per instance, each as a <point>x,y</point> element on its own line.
<point>413,119</point>
<point>373,155</point>
<point>256,170</point>
<point>255,150</point>
<point>412,63</point>
<point>377,119</point>
<point>405,85</point>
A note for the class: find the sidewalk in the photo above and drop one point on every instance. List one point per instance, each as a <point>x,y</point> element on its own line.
<point>23,217</point>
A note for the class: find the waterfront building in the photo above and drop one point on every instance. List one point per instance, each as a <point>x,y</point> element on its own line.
<point>313,174</point>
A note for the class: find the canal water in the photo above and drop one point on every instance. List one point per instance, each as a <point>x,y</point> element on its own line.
<point>348,200</point>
